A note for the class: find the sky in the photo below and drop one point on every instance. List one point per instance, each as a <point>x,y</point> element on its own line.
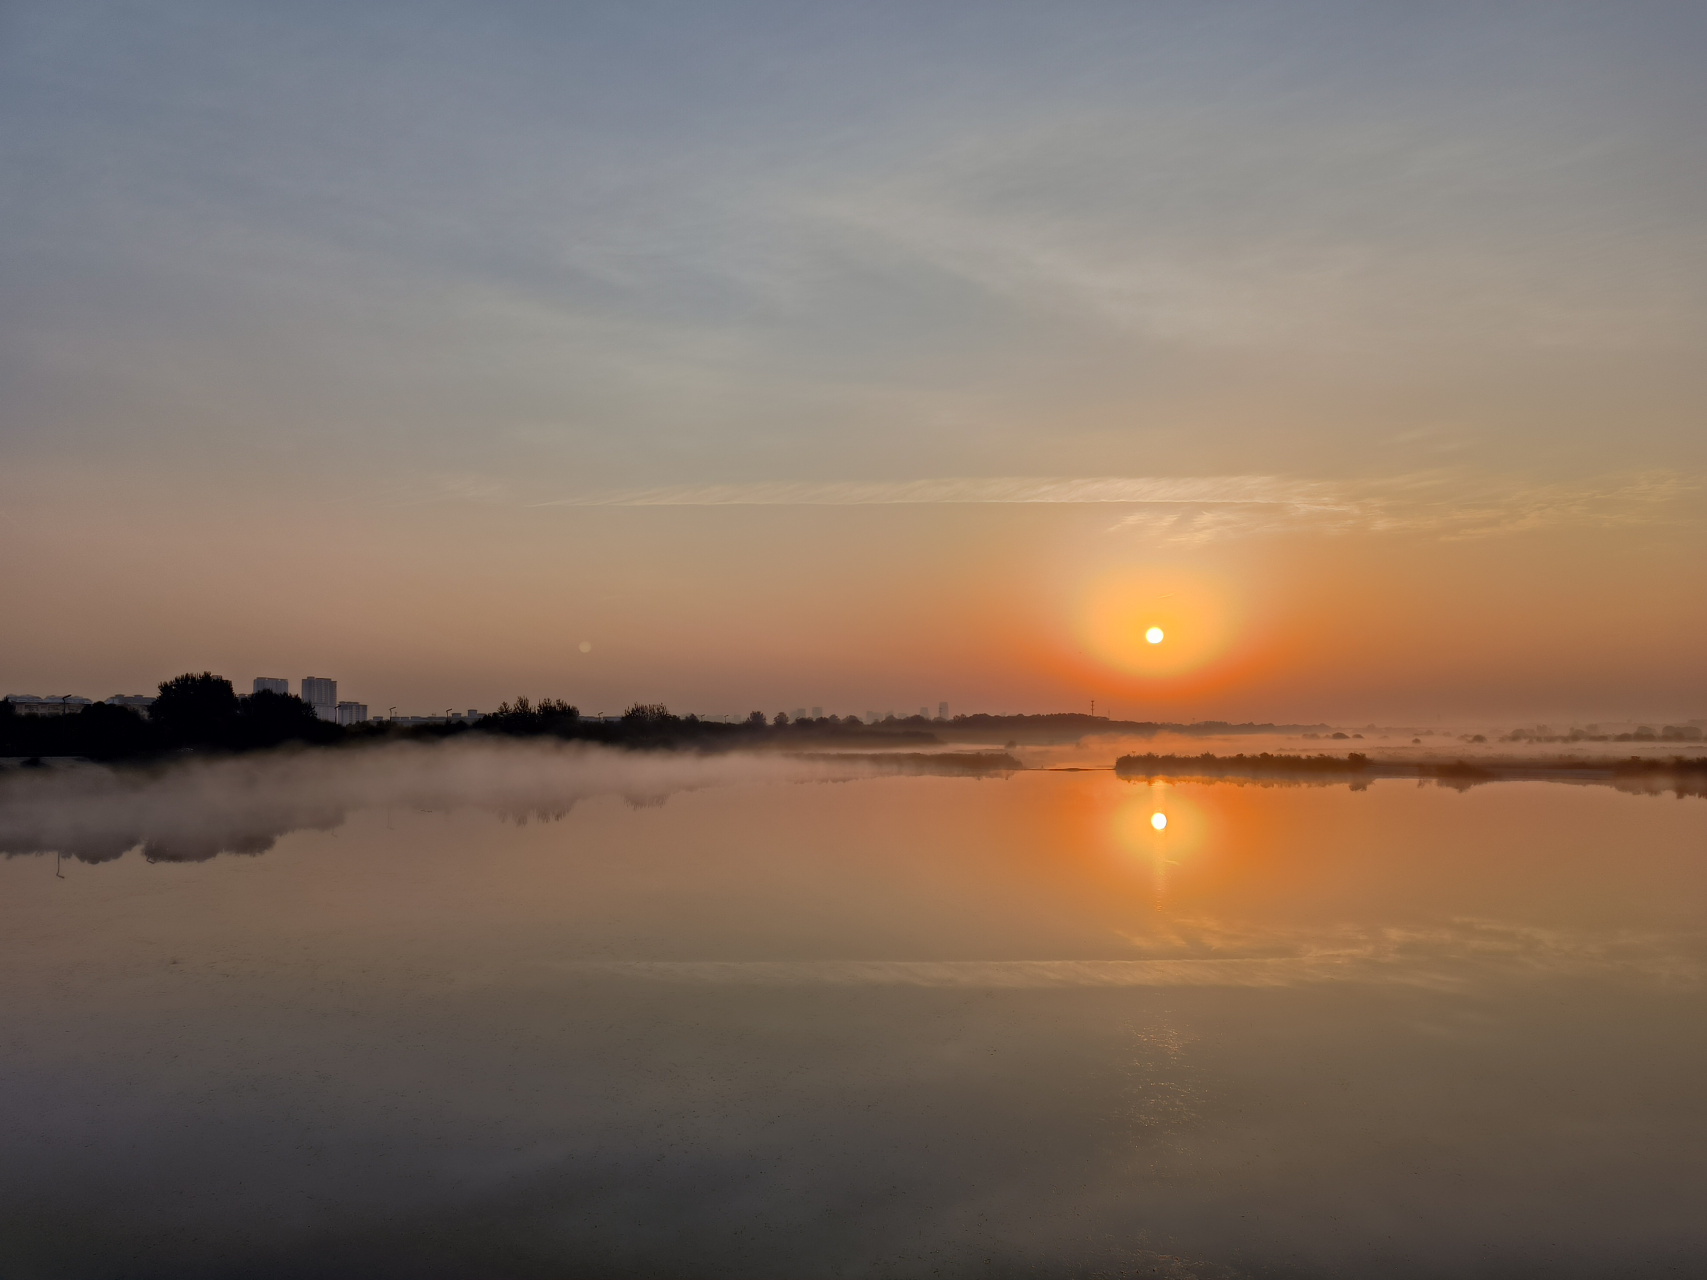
<point>870,356</point>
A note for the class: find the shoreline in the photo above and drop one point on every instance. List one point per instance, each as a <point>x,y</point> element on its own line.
<point>1689,773</point>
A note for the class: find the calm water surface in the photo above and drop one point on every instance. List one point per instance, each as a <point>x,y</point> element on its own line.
<point>518,1013</point>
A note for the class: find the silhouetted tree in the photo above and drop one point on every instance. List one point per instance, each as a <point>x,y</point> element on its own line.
<point>266,719</point>
<point>104,732</point>
<point>194,710</point>
<point>780,718</point>
<point>756,718</point>
<point>551,715</point>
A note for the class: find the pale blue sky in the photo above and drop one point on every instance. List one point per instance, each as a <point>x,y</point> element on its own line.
<point>552,245</point>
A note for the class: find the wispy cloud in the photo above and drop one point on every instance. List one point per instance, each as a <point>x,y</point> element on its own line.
<point>1198,509</point>
<point>995,489</point>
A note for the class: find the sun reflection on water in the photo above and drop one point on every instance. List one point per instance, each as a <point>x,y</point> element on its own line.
<point>1161,828</point>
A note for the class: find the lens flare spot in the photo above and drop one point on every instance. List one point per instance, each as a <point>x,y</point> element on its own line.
<point>1159,821</point>
<point>1154,635</point>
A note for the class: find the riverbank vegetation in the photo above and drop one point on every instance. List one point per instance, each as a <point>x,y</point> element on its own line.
<point>1360,769</point>
<point>202,712</point>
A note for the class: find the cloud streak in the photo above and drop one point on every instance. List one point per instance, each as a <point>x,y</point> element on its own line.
<point>978,490</point>
<point>1187,510</point>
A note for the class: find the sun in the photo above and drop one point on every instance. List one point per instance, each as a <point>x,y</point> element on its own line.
<point>1156,623</point>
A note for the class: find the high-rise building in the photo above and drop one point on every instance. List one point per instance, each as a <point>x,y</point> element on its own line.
<point>350,712</point>
<point>271,684</point>
<point>321,693</point>
<point>817,713</point>
<point>942,711</point>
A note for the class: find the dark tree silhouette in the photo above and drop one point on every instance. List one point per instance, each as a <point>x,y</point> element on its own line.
<point>266,719</point>
<point>523,718</point>
<point>194,710</point>
<point>780,718</point>
<point>756,718</point>
<point>103,732</point>
<point>97,731</point>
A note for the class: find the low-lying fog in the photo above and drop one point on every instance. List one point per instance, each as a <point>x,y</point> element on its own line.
<point>194,808</point>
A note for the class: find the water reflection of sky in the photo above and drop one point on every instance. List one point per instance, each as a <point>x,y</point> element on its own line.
<point>781,1025</point>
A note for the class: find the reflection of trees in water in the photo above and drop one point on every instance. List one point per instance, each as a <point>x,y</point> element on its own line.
<point>198,809</point>
<point>1655,785</point>
<point>195,811</point>
<point>188,845</point>
<point>104,832</point>
<point>193,835</point>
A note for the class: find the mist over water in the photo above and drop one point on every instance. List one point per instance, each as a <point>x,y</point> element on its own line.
<point>197,808</point>
<point>512,1010</point>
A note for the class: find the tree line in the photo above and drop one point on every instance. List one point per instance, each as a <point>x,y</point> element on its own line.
<point>203,712</point>
<point>191,711</point>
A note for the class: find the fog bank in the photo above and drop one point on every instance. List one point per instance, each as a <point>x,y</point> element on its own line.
<point>195,809</point>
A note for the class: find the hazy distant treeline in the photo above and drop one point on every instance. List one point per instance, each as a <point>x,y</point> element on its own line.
<point>201,712</point>
<point>1151,765</point>
<point>653,724</point>
<point>191,711</point>
<point>1679,774</point>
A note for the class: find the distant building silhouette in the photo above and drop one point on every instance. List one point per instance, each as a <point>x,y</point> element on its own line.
<point>61,704</point>
<point>455,717</point>
<point>942,711</point>
<point>271,684</point>
<point>817,713</point>
<point>137,702</point>
<point>321,693</point>
<point>350,712</point>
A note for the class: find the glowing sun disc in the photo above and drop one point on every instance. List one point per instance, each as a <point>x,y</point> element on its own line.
<point>1159,821</point>
<point>1154,635</point>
